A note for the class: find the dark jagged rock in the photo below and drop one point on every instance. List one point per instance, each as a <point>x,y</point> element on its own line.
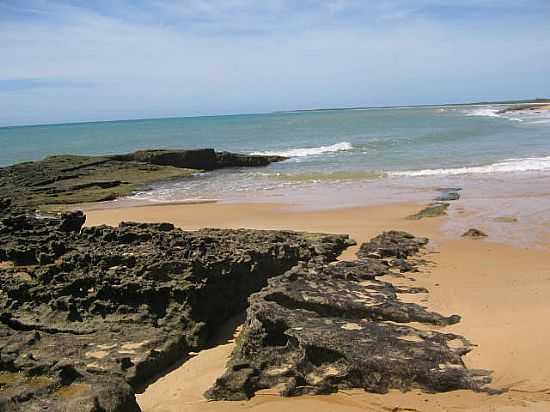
<point>448,194</point>
<point>86,314</point>
<point>320,328</point>
<point>204,159</point>
<point>62,180</point>
<point>474,233</point>
<point>447,197</point>
<point>394,244</point>
<point>72,221</point>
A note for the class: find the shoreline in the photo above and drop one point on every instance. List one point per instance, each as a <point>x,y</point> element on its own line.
<point>128,203</point>
<point>498,290</point>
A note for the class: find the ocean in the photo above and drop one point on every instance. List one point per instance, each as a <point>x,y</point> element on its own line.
<point>341,157</point>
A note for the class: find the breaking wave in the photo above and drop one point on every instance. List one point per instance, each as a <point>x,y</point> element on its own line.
<point>492,112</point>
<point>527,164</point>
<point>308,151</point>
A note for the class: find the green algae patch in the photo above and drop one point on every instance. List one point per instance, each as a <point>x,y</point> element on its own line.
<point>72,391</point>
<point>57,181</point>
<point>433,210</point>
<point>17,378</point>
<point>9,378</point>
<point>63,180</point>
<point>506,219</point>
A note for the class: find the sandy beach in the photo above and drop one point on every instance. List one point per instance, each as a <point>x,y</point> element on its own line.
<point>499,290</point>
<point>234,206</point>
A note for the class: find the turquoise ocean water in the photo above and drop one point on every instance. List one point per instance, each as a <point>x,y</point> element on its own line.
<point>326,147</point>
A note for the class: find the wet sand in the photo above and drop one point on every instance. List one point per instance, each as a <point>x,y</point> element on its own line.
<point>501,292</point>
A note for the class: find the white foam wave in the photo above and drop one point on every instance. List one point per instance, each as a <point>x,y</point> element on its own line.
<point>485,111</point>
<point>528,164</point>
<point>532,116</point>
<point>308,151</point>
<point>492,112</point>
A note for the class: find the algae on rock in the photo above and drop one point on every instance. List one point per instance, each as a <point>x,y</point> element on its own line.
<point>434,210</point>
<point>320,328</point>
<point>86,314</point>
<point>69,179</point>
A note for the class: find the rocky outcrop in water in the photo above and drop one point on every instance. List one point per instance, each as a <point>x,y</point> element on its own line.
<point>86,314</point>
<point>474,233</point>
<point>203,159</point>
<point>324,327</point>
<point>69,179</point>
<point>440,204</point>
<point>448,194</point>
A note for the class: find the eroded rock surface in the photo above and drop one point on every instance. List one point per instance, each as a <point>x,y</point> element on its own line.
<point>86,314</point>
<point>323,327</point>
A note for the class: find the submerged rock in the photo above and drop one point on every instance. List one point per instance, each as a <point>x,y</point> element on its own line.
<point>434,210</point>
<point>448,194</point>
<point>320,328</point>
<point>506,219</point>
<point>474,233</point>
<point>86,314</point>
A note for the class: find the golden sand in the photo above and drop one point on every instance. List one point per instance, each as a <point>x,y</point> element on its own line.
<point>501,292</point>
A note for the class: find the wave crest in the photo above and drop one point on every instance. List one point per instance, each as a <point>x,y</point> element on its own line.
<point>528,164</point>
<point>484,111</point>
<point>533,116</point>
<point>308,151</point>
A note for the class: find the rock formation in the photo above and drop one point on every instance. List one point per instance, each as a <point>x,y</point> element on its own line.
<point>448,194</point>
<point>440,204</point>
<point>324,327</point>
<point>474,233</point>
<point>88,313</point>
<point>59,180</point>
<point>433,210</point>
<point>203,159</point>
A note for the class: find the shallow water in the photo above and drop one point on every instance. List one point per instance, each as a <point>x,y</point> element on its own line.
<point>388,140</point>
<point>338,158</point>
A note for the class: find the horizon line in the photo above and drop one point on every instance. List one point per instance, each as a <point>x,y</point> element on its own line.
<point>501,102</point>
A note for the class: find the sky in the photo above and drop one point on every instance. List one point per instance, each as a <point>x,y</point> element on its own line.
<point>68,60</point>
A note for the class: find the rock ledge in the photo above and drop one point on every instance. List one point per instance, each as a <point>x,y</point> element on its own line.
<point>324,327</point>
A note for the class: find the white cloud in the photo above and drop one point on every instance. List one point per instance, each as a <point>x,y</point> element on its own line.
<point>217,61</point>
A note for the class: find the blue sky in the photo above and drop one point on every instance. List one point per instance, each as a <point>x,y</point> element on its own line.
<point>64,61</point>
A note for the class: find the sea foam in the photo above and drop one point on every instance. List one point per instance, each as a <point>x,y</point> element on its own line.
<point>493,112</point>
<point>484,111</point>
<point>533,116</point>
<point>308,151</point>
<point>527,164</point>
